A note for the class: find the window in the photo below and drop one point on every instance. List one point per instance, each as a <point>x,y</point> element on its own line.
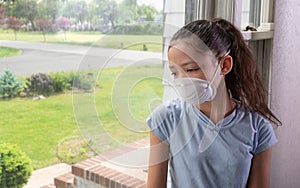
<point>243,13</point>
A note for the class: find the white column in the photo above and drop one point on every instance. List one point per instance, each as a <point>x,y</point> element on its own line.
<point>174,19</point>
<point>285,98</point>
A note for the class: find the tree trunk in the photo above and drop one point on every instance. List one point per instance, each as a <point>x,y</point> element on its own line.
<point>32,25</point>
<point>65,35</point>
<point>44,36</point>
<point>15,31</point>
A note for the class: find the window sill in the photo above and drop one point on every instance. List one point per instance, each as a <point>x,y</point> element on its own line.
<point>257,35</point>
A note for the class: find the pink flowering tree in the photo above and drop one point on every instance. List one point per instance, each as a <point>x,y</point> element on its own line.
<point>44,25</point>
<point>64,24</point>
<point>14,24</point>
<point>2,16</point>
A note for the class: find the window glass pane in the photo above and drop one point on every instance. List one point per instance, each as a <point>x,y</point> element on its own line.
<point>99,60</point>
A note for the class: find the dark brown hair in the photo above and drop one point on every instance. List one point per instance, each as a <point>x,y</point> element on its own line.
<point>243,82</point>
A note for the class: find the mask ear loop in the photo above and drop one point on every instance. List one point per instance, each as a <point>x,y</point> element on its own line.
<point>215,73</point>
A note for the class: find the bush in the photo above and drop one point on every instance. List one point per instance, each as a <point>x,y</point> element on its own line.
<point>83,81</point>
<point>40,84</point>
<point>146,29</point>
<point>61,81</point>
<point>15,167</point>
<point>9,85</point>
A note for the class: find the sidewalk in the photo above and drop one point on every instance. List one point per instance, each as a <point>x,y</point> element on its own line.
<point>45,176</point>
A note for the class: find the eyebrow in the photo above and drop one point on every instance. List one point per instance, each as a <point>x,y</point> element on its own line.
<point>184,64</point>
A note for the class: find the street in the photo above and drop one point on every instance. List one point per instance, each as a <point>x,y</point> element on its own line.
<point>46,57</point>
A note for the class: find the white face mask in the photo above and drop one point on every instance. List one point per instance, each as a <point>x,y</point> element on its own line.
<point>197,91</point>
<point>194,90</point>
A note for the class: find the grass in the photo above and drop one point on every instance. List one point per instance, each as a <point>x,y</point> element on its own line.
<point>133,42</point>
<point>9,52</point>
<point>43,128</point>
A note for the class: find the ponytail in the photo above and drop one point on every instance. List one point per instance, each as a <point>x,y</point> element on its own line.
<point>243,82</point>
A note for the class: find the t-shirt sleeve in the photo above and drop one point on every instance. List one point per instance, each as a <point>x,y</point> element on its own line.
<point>265,137</point>
<point>161,121</point>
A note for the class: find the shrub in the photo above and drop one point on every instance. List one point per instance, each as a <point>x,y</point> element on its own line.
<point>61,81</point>
<point>71,77</point>
<point>15,167</point>
<point>40,84</point>
<point>146,29</point>
<point>83,81</point>
<point>9,85</point>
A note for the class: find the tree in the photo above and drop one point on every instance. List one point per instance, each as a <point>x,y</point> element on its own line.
<point>44,25</point>
<point>26,9</point>
<point>64,24</point>
<point>7,5</point>
<point>14,24</point>
<point>93,16</point>
<point>128,11</point>
<point>147,11</point>
<point>107,10</point>
<point>49,9</point>
<point>9,85</point>
<point>76,9</point>
<point>2,16</point>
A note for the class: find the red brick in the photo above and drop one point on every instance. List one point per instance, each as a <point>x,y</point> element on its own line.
<point>121,179</point>
<point>112,180</point>
<point>77,171</point>
<point>142,186</point>
<point>59,184</point>
<point>118,177</point>
<point>138,183</point>
<point>128,181</point>
<point>93,175</point>
<point>64,181</point>
<point>133,183</point>
<point>108,176</point>
<point>100,175</point>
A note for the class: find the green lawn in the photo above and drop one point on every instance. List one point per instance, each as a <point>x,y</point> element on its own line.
<point>133,42</point>
<point>8,52</point>
<point>39,127</point>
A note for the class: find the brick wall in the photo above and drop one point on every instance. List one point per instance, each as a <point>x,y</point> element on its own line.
<point>91,173</point>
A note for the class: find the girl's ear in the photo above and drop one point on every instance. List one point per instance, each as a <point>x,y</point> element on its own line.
<point>226,65</point>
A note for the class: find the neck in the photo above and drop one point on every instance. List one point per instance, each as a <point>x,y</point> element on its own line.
<point>220,107</point>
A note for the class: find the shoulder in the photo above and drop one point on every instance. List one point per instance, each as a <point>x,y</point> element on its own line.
<point>263,132</point>
<point>164,119</point>
<point>167,111</point>
<point>254,118</point>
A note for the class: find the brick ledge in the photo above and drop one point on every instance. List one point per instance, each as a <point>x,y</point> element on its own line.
<point>92,171</point>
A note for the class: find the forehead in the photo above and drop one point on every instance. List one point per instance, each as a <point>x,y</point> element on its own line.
<point>181,56</point>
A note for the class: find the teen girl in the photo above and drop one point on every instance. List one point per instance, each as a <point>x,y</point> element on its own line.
<point>218,134</point>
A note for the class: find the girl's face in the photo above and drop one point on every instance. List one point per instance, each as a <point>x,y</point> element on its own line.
<point>183,65</point>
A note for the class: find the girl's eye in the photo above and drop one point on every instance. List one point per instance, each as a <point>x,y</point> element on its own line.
<point>173,73</point>
<point>192,70</point>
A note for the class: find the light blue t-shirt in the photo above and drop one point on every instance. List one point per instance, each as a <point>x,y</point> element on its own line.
<point>208,155</point>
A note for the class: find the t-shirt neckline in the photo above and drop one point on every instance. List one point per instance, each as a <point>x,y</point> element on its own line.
<point>224,123</point>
